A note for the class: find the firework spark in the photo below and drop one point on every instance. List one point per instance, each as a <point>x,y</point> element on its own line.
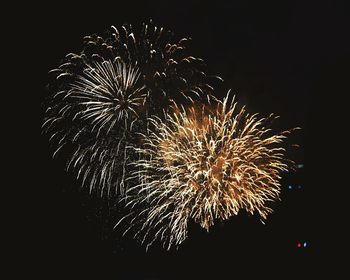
<point>102,97</point>
<point>204,164</point>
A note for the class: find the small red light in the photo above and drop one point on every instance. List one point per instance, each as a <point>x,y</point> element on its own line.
<point>299,245</point>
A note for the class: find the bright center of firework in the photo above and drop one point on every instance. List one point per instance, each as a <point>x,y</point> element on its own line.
<point>198,149</point>
<point>110,91</point>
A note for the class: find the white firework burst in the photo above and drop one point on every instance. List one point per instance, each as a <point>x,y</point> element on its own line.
<point>101,98</point>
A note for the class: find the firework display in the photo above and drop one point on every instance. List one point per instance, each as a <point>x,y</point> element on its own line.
<point>203,163</point>
<point>136,118</point>
<point>100,98</point>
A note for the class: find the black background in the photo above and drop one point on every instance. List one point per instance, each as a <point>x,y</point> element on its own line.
<point>285,57</point>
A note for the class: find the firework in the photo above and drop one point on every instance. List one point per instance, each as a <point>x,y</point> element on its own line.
<point>204,163</point>
<point>101,98</point>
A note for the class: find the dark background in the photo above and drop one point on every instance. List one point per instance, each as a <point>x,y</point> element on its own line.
<point>285,57</point>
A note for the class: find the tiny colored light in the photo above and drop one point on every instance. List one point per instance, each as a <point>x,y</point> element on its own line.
<point>299,187</point>
<point>299,245</point>
<point>300,165</point>
<point>290,187</point>
<point>305,244</point>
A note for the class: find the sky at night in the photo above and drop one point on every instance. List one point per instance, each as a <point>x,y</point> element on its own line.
<point>277,57</point>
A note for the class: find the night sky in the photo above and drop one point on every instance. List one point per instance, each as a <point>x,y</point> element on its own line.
<point>282,57</point>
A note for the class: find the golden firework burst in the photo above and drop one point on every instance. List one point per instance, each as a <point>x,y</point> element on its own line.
<point>204,163</point>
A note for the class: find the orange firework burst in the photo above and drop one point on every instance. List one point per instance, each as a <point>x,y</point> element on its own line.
<point>204,164</point>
